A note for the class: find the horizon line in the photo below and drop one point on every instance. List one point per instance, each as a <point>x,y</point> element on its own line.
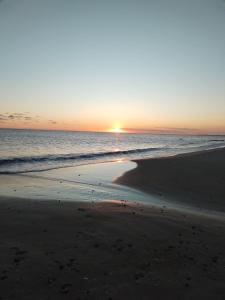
<point>150,131</point>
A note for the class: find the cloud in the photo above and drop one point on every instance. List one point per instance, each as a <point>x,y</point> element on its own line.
<point>183,129</point>
<point>3,117</point>
<point>17,117</point>
<point>52,122</point>
<point>173,128</point>
<point>28,118</point>
<point>24,119</point>
<point>164,130</point>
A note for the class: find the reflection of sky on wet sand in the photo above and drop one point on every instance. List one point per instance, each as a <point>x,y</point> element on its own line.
<point>93,173</point>
<point>81,183</point>
<point>88,183</point>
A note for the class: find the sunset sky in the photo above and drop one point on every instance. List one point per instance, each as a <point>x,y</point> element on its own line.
<point>140,65</point>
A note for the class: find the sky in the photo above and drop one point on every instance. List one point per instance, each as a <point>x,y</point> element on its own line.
<point>140,65</point>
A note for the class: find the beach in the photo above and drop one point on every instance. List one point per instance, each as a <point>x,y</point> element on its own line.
<point>197,178</point>
<point>112,150</point>
<point>52,250</point>
<point>112,249</point>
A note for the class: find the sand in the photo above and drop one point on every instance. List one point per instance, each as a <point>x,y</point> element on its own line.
<point>196,178</point>
<point>52,250</point>
<point>116,249</point>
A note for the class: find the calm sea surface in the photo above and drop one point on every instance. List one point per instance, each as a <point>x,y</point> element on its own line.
<point>32,150</point>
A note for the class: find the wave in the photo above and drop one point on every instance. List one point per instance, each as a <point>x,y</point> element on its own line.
<point>68,157</point>
<point>216,140</point>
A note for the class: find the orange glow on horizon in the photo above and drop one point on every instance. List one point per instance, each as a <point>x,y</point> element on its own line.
<point>32,121</point>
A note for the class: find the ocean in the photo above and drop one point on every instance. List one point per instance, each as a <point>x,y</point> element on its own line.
<point>23,151</point>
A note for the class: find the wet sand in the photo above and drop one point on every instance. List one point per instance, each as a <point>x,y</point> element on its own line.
<point>108,250</point>
<point>196,179</point>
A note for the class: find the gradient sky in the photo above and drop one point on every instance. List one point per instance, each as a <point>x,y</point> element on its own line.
<point>95,64</point>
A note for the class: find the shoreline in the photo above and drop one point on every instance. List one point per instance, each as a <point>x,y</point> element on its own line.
<point>101,181</point>
<point>114,248</point>
<point>196,178</point>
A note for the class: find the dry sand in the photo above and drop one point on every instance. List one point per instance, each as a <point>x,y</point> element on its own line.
<point>117,250</point>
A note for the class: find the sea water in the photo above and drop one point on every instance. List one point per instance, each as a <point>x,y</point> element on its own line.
<point>82,166</point>
<point>24,151</point>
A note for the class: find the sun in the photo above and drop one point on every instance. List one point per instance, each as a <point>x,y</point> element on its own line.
<point>116,130</point>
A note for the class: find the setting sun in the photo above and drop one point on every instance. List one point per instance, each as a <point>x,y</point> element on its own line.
<point>116,130</point>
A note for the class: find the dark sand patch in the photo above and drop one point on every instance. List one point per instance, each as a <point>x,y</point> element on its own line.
<point>52,250</point>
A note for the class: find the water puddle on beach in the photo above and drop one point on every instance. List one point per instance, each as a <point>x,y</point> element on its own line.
<point>93,182</point>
